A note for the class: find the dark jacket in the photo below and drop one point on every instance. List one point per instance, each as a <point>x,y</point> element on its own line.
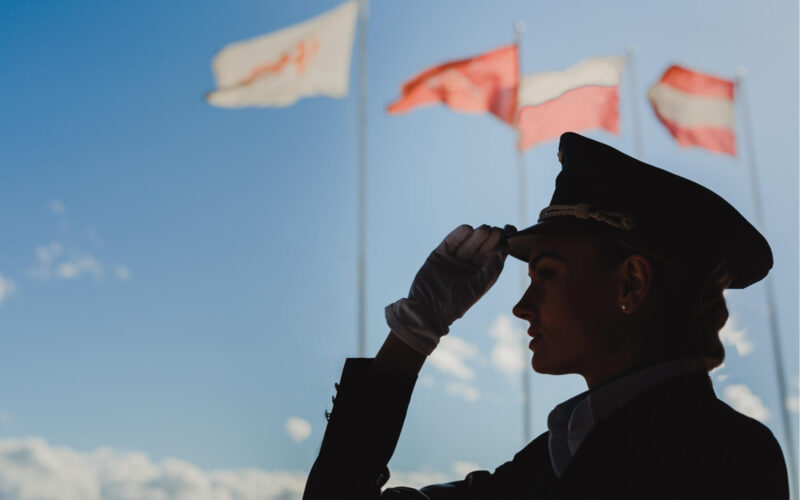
<point>675,441</point>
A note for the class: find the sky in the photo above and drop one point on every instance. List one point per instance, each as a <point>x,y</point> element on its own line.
<point>178,281</point>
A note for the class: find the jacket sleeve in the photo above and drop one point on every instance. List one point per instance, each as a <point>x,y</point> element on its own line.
<point>363,429</point>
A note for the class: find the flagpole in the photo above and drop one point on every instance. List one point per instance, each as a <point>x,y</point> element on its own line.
<point>363,10</point>
<point>630,56</point>
<point>519,28</point>
<point>755,189</point>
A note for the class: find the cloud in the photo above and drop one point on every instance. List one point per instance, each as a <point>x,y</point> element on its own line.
<point>730,335</point>
<point>464,390</point>
<point>86,264</point>
<point>461,469</point>
<point>67,270</point>
<point>744,401</point>
<point>7,288</point>
<point>427,380</point>
<point>793,404</point>
<point>415,479</point>
<point>123,273</point>
<point>45,256</point>
<point>298,429</point>
<point>31,469</point>
<point>451,357</point>
<point>508,354</point>
<point>50,260</point>
<point>57,207</point>
<point>718,372</point>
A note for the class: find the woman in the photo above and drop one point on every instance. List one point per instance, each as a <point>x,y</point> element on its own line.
<point>627,264</point>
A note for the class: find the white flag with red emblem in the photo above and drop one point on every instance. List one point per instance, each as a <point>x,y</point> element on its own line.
<point>696,108</point>
<point>277,69</point>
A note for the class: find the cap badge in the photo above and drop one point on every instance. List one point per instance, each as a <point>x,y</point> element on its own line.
<point>618,220</point>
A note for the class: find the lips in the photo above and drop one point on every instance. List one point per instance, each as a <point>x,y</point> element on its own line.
<point>535,336</point>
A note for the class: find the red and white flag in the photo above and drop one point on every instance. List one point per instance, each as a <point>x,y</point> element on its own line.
<point>485,83</point>
<point>277,69</point>
<point>582,97</point>
<point>696,108</point>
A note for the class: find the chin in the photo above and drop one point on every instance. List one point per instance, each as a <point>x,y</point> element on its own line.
<point>546,367</point>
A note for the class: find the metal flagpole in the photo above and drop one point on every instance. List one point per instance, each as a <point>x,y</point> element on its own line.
<point>630,57</point>
<point>771,310</point>
<point>519,28</point>
<point>363,12</point>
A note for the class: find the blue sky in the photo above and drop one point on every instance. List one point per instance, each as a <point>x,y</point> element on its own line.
<point>180,280</point>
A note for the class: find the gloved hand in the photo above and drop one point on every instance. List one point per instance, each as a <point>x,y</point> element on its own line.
<point>456,274</point>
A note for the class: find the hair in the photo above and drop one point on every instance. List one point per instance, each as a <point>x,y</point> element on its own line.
<point>690,301</point>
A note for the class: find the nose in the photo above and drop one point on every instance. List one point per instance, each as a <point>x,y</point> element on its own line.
<point>524,308</point>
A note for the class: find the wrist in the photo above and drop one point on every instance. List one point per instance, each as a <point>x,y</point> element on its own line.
<point>395,356</point>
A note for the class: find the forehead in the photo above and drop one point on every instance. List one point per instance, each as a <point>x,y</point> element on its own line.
<point>567,247</point>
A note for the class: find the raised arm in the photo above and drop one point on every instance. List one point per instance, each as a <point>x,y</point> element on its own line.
<point>373,394</point>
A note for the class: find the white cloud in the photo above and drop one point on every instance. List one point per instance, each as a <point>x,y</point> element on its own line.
<point>82,264</point>
<point>464,390</point>
<point>67,270</point>
<point>508,354</point>
<point>415,479</point>
<point>427,380</point>
<point>744,401</point>
<point>793,404</point>
<point>7,288</point>
<point>461,469</point>
<point>123,273</point>
<point>730,335</point>
<point>298,429</point>
<point>718,372</point>
<point>57,206</point>
<point>451,356</point>
<point>45,256</point>
<point>32,469</point>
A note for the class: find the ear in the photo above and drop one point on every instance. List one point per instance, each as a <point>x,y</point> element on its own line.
<point>636,279</point>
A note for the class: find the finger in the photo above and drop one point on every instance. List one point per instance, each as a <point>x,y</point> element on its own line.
<point>490,271</point>
<point>491,242</point>
<point>456,237</point>
<point>469,248</point>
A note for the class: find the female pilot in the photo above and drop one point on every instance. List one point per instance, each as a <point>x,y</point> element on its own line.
<point>627,268</point>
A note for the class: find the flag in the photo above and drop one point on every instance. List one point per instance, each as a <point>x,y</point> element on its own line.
<point>487,82</point>
<point>277,69</point>
<point>581,97</point>
<point>696,108</point>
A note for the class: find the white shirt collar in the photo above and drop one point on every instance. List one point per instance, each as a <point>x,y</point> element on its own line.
<point>570,422</point>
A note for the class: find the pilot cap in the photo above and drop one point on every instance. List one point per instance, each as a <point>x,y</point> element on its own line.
<point>601,188</point>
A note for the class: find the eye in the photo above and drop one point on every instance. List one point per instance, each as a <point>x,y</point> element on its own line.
<point>541,274</point>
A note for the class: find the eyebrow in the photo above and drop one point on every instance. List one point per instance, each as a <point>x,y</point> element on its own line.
<point>535,260</point>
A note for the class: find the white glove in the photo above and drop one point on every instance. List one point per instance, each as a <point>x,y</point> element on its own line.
<point>461,269</point>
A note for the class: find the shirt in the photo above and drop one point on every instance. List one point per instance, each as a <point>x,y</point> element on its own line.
<point>571,421</point>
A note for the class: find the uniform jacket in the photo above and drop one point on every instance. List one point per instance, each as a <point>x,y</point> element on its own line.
<point>674,441</point>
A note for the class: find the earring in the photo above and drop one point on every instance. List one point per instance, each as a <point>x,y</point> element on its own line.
<point>625,307</point>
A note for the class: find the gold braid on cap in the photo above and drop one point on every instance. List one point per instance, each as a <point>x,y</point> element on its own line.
<point>618,220</point>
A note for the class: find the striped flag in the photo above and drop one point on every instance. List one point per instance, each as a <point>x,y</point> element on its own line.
<point>277,69</point>
<point>696,108</point>
<point>582,97</point>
